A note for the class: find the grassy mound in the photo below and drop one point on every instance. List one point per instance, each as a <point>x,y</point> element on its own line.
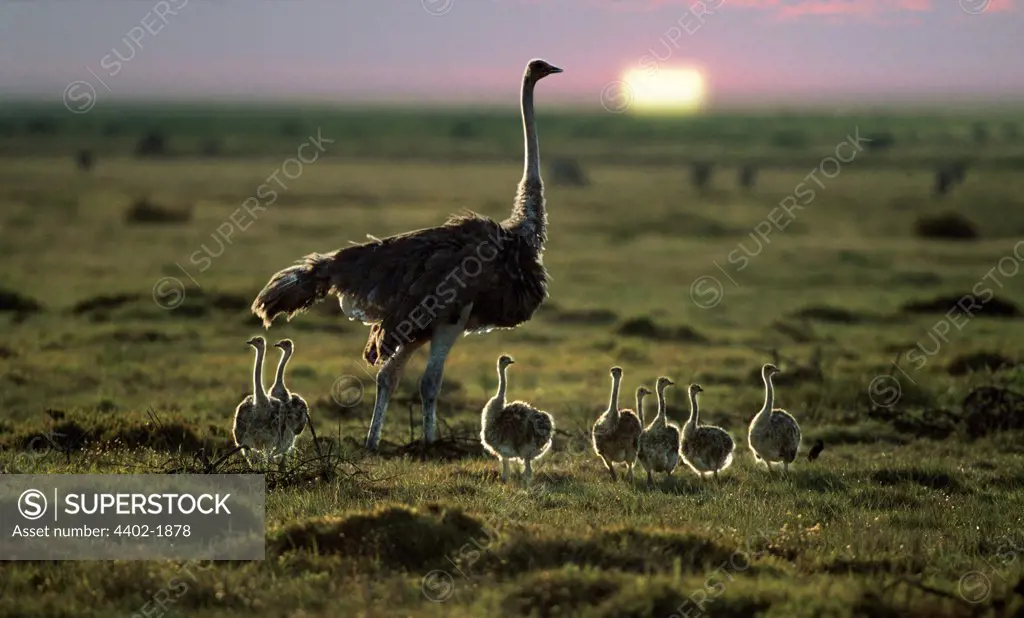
<point>394,537</point>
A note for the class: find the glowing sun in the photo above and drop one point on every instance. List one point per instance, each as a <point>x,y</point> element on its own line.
<point>668,90</point>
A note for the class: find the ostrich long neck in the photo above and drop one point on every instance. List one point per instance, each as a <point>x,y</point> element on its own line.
<point>613,403</point>
<point>528,212</point>
<point>279,380</point>
<point>769,396</point>
<point>640,405</point>
<point>502,384</point>
<point>662,418</point>
<point>257,378</point>
<point>531,166</point>
<point>694,411</point>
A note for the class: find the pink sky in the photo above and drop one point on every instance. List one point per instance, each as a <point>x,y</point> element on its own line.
<point>793,51</point>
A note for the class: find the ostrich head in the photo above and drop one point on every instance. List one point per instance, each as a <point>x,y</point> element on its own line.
<point>643,390</point>
<point>286,345</point>
<point>663,382</point>
<point>539,69</point>
<point>616,372</point>
<point>504,361</point>
<point>769,370</point>
<point>257,342</point>
<point>694,389</point>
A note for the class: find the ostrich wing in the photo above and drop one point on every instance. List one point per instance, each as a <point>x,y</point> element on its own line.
<point>413,281</point>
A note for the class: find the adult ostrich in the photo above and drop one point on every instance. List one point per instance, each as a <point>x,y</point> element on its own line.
<point>471,274</point>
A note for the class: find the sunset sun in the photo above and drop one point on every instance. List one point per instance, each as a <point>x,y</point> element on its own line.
<point>668,90</point>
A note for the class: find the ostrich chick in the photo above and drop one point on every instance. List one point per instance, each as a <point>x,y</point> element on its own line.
<point>774,434</point>
<point>258,418</point>
<point>616,434</point>
<point>659,442</point>
<point>706,448</point>
<point>296,410</point>
<point>516,430</point>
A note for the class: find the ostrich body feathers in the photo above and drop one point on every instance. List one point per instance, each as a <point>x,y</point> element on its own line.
<point>407,284</point>
<point>617,441</point>
<point>262,428</point>
<point>707,449</point>
<point>659,447</point>
<point>774,436</point>
<point>516,430</point>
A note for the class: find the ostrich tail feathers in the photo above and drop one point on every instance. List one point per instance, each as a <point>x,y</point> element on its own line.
<point>293,289</point>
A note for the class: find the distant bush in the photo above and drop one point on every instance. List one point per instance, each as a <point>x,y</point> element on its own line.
<point>211,148</point>
<point>944,182</point>
<point>104,302</point>
<point>791,139</point>
<point>567,172</point>
<point>748,176</point>
<point>463,129</point>
<point>153,144</point>
<point>950,175</point>
<point>702,174</point>
<point>84,160</point>
<point>826,313</point>
<point>1010,132</point>
<point>979,361</point>
<point>17,303</point>
<point>980,133</point>
<point>990,409</point>
<point>581,316</point>
<point>646,328</point>
<point>959,171</point>
<point>880,142</point>
<point>291,128</point>
<point>945,226</point>
<point>41,126</point>
<point>995,307</point>
<point>143,211</point>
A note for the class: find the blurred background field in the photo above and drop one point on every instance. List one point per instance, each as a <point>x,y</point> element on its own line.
<point>905,138</point>
<point>100,208</point>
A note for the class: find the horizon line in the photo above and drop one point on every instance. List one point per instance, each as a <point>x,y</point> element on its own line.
<point>575,104</point>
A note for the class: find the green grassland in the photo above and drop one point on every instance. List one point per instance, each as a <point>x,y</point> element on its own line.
<point>911,510</point>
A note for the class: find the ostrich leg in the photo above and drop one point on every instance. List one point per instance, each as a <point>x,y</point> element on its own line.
<point>387,381</point>
<point>611,468</point>
<point>441,344</point>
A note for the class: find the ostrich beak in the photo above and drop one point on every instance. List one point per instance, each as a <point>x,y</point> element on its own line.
<point>555,69</point>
